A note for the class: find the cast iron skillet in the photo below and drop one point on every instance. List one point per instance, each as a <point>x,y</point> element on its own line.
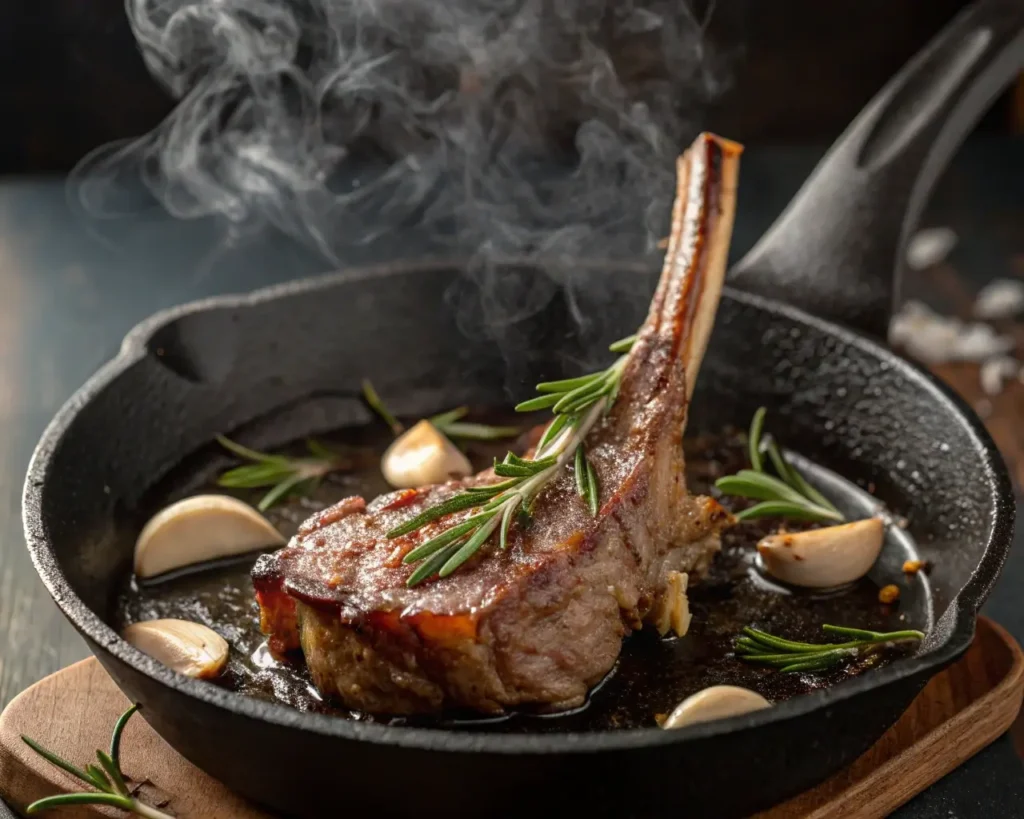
<point>287,361</point>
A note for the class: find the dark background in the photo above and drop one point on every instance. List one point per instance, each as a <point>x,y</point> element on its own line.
<point>71,78</point>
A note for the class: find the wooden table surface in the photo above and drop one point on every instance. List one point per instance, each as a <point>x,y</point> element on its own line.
<point>69,291</point>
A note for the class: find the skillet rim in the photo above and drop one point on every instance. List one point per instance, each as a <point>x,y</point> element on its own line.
<point>100,635</point>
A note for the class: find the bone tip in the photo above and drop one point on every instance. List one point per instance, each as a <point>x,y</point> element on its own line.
<point>729,149</point>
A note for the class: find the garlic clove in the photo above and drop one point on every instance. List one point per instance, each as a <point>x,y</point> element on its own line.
<point>716,702</point>
<point>189,648</point>
<point>823,558</point>
<point>421,456</point>
<point>200,528</point>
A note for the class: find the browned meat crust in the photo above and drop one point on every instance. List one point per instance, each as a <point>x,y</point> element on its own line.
<point>542,622</point>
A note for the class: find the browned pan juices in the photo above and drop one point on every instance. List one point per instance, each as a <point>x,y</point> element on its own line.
<point>652,674</point>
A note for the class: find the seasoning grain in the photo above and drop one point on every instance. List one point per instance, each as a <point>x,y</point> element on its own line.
<point>889,594</point>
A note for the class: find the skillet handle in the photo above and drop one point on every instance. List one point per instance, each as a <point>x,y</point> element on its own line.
<point>837,250</point>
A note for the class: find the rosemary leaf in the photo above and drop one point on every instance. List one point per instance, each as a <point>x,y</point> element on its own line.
<point>889,637</point>
<point>801,485</point>
<point>538,403</point>
<point>504,470</point>
<point>250,454</point>
<point>377,405</point>
<point>586,401</point>
<point>580,470</point>
<point>772,641</point>
<point>593,491</point>
<point>506,521</point>
<point>285,487</point>
<point>553,430</point>
<point>115,738</point>
<point>457,503</point>
<point>515,467</point>
<point>477,432</point>
<point>318,450</point>
<point>99,779</point>
<point>754,439</point>
<point>113,772</point>
<point>470,547</point>
<point>782,467</point>
<point>448,536</point>
<point>808,665</point>
<point>492,489</point>
<point>568,384</point>
<point>786,509</point>
<point>623,345</point>
<point>50,802</point>
<point>445,418</point>
<point>822,653</point>
<point>514,460</point>
<point>253,476</point>
<point>499,500</point>
<point>53,759</point>
<point>750,484</point>
<point>791,475</point>
<point>429,567</point>
<point>579,397</point>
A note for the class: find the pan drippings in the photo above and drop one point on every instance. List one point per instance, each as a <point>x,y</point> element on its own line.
<point>652,674</point>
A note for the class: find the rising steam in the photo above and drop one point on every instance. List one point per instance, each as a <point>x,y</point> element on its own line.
<point>507,127</point>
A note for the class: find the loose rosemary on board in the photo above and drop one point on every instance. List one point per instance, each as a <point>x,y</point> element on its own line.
<point>760,647</point>
<point>107,778</point>
<point>787,496</point>
<point>578,403</point>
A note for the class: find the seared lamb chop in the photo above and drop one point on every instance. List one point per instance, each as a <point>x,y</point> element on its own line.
<point>543,621</point>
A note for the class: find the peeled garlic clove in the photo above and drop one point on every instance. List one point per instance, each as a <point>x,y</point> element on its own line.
<point>422,456</point>
<point>201,528</point>
<point>716,702</point>
<point>822,558</point>
<point>189,648</point>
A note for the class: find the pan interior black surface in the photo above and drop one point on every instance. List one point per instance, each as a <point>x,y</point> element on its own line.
<point>652,676</point>
<point>838,400</point>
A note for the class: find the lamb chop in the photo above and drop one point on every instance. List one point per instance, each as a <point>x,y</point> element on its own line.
<point>541,621</point>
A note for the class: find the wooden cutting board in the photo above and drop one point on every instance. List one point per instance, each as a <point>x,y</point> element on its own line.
<point>72,712</point>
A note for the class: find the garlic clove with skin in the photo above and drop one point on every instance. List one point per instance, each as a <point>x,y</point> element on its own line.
<point>201,528</point>
<point>716,702</point>
<point>823,558</point>
<point>189,648</point>
<point>422,455</point>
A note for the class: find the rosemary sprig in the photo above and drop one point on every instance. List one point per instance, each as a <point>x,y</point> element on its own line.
<point>107,778</point>
<point>376,403</point>
<point>756,646</point>
<point>578,403</point>
<point>450,423</point>
<point>282,474</point>
<point>788,496</point>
